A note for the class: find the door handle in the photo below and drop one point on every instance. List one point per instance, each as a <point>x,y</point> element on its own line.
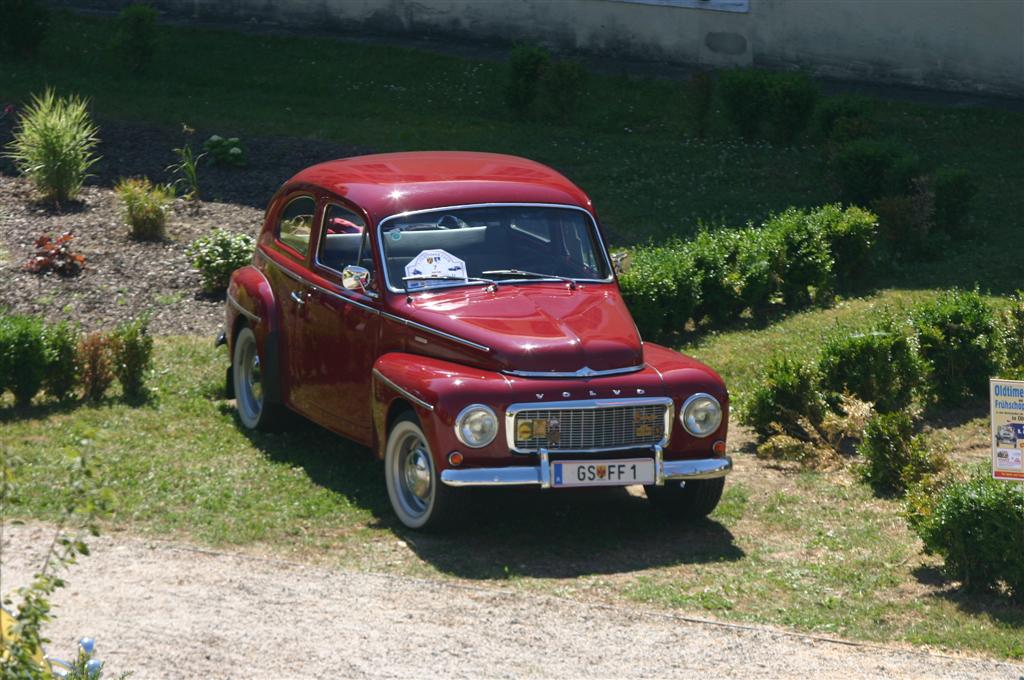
<point>297,296</point>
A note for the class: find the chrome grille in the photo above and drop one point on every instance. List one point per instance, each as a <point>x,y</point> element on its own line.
<point>589,426</point>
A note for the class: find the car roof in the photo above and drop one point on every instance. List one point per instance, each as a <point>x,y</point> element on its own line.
<point>392,183</point>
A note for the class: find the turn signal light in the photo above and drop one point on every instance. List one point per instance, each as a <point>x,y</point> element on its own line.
<point>455,458</point>
<point>719,448</point>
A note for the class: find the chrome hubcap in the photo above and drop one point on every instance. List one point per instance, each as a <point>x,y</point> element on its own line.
<point>413,475</point>
<point>249,382</point>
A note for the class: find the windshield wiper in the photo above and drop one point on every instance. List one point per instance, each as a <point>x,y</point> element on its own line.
<point>451,277</point>
<point>534,275</point>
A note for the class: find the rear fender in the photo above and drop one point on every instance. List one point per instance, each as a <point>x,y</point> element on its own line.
<point>250,302</point>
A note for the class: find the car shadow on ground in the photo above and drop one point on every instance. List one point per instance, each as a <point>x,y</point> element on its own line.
<point>502,534</point>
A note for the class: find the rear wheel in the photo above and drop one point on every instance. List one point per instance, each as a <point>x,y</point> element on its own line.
<point>250,396</point>
<point>417,495</point>
<point>696,499</point>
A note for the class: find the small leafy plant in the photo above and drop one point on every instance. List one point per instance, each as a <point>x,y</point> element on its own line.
<point>868,169</point>
<point>186,171</point>
<point>217,255</point>
<point>955,190</point>
<point>144,207</point>
<point>792,98</point>
<point>746,99</point>
<point>53,145</point>
<point>135,39</point>
<point>131,348</point>
<point>880,366</point>
<point>227,152</point>
<point>55,255</point>
<point>700,90</point>
<point>660,290</point>
<point>526,66</point>
<point>894,457</point>
<point>95,365</point>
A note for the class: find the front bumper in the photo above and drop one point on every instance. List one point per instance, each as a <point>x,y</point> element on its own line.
<point>540,475</point>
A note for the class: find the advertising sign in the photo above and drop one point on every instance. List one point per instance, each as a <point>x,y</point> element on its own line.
<point>1007,407</point>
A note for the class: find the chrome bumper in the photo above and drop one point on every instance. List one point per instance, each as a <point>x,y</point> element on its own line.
<point>672,470</point>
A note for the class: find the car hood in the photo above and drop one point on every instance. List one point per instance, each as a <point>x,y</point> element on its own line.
<point>538,327</point>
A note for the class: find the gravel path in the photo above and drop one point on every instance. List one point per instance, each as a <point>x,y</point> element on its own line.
<point>173,611</point>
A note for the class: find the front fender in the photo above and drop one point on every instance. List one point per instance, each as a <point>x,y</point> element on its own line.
<point>437,390</point>
<point>250,300</point>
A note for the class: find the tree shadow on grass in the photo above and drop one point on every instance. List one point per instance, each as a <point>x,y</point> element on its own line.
<point>996,605</point>
<point>509,533</point>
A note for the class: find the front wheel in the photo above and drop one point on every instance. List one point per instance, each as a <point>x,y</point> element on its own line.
<point>696,499</point>
<point>417,495</point>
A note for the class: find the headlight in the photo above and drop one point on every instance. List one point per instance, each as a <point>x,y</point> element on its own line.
<point>476,426</point>
<point>701,414</point>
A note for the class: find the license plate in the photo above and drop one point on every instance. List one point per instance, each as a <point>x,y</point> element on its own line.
<point>602,472</point>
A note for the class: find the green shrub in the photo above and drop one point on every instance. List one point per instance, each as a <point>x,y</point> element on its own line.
<point>809,275</point>
<point>867,169</point>
<point>880,366</point>
<point>61,342</point>
<point>962,342</point>
<point>894,457</point>
<point>907,222</point>
<point>977,526</point>
<point>746,100</point>
<point>660,290</point>
<point>713,254</point>
<point>95,370</point>
<point>144,207</point>
<point>23,26</point>
<point>135,38</point>
<point>759,267</point>
<point>526,66</point>
<point>954,189</point>
<point>563,84</point>
<point>792,98</point>
<point>217,255</point>
<point>131,349</point>
<point>53,144</point>
<point>838,120</point>
<point>700,90</point>
<point>1013,331</point>
<point>225,151</point>
<point>22,357</point>
<point>852,235</point>
<point>786,395</point>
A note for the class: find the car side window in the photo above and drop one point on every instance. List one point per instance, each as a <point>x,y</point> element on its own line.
<point>342,236</point>
<point>296,223</point>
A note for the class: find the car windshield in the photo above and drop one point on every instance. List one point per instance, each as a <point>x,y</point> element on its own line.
<point>480,246</point>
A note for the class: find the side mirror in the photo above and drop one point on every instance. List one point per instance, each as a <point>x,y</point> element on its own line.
<point>355,278</point>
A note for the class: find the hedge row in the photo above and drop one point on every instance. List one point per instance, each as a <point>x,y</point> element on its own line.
<point>795,258</point>
<point>58,359</point>
<point>943,354</point>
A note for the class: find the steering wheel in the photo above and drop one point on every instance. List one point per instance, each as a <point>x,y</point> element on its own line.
<point>450,221</point>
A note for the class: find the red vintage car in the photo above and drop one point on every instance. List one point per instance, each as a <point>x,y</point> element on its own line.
<point>458,313</point>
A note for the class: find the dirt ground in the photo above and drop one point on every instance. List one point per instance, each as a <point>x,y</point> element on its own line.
<point>165,610</point>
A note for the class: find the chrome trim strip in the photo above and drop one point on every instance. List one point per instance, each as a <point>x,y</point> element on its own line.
<point>427,329</point>
<point>659,466</point>
<point>690,400</point>
<point>329,293</point>
<point>545,469</point>
<point>597,232</point>
<point>584,372</point>
<point>586,404</point>
<point>242,310</point>
<point>404,392</point>
<point>679,470</point>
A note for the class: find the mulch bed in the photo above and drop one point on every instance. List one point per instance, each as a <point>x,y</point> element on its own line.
<point>124,278</point>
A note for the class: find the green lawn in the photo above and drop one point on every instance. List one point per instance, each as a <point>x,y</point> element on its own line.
<point>815,551</point>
